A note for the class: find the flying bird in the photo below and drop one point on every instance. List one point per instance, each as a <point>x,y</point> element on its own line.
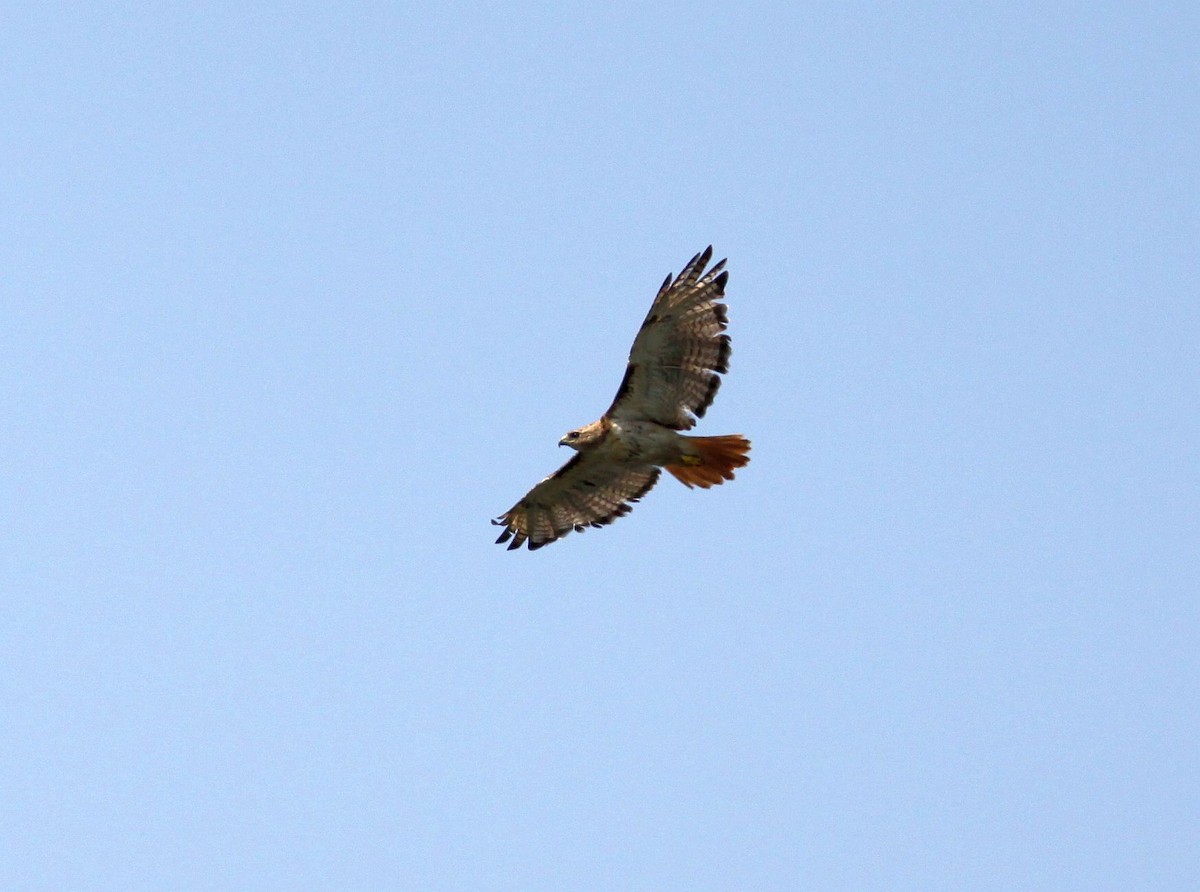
<point>674,371</point>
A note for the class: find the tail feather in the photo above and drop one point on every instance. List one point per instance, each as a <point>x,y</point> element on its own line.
<point>709,461</point>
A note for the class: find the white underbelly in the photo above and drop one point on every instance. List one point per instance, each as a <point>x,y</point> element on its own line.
<point>646,442</point>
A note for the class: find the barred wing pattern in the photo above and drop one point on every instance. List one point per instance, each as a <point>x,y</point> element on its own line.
<point>588,491</point>
<point>680,351</point>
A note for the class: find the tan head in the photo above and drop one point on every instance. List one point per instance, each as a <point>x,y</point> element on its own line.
<point>584,438</point>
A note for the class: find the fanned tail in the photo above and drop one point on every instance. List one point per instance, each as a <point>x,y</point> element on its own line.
<point>709,461</point>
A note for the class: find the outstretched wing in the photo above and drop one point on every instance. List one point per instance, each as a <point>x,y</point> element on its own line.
<point>588,491</point>
<point>679,352</point>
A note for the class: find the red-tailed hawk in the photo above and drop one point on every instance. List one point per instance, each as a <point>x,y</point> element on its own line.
<point>672,376</point>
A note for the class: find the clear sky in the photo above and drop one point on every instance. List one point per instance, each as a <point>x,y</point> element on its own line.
<point>297,296</point>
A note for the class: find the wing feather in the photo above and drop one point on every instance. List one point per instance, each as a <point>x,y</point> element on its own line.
<point>680,351</point>
<point>589,490</point>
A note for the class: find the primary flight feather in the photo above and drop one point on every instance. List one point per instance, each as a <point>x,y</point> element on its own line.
<point>674,370</point>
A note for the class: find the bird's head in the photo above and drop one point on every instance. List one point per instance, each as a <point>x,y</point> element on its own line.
<point>583,437</point>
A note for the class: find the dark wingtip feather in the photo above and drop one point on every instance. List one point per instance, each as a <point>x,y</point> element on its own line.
<point>692,271</point>
<point>714,384</point>
<point>723,357</point>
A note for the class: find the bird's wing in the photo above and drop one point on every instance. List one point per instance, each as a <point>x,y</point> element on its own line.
<point>589,490</point>
<point>679,352</point>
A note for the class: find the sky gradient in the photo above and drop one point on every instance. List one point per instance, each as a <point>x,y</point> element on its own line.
<point>297,297</point>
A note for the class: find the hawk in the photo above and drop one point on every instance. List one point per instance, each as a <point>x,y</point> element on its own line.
<point>673,374</point>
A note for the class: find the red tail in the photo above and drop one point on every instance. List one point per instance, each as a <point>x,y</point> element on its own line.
<point>709,461</point>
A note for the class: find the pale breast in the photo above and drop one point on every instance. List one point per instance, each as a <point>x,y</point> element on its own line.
<point>644,442</point>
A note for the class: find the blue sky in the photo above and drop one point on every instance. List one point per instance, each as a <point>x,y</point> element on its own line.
<point>297,297</point>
